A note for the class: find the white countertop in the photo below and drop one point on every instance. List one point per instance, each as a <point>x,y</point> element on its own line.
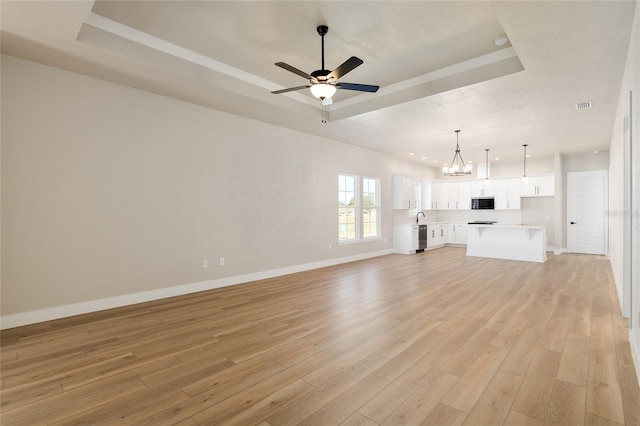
<point>422,223</point>
<point>496,225</point>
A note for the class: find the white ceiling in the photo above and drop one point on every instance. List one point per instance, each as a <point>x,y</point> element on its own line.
<point>436,63</point>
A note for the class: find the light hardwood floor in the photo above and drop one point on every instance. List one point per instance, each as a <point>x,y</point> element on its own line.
<point>434,338</point>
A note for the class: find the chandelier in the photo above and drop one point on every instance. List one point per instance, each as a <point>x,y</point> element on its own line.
<point>457,166</point>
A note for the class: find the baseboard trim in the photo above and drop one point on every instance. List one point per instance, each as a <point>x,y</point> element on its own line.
<point>617,283</point>
<point>560,251</point>
<point>635,346</point>
<point>635,352</point>
<point>57,312</point>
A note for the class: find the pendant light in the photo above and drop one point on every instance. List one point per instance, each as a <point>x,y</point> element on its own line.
<point>457,166</point>
<point>524,164</point>
<point>486,166</point>
<point>486,162</point>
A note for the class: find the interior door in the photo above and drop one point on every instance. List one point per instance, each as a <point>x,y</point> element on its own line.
<point>587,212</point>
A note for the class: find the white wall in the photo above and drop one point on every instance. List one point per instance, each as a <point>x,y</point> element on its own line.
<point>540,211</point>
<point>619,212</point>
<point>535,166</point>
<point>111,193</point>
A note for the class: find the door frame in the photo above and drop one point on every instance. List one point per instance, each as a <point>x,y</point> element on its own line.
<point>571,176</point>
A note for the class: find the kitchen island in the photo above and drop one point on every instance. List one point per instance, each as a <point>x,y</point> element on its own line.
<point>514,242</point>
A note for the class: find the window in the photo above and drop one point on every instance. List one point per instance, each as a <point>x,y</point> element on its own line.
<point>370,207</point>
<point>346,208</point>
<point>358,208</point>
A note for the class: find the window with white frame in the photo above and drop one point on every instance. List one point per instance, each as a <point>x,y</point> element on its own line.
<point>358,208</point>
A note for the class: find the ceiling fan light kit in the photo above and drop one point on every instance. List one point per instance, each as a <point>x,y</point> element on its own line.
<point>457,166</point>
<point>323,83</point>
<point>323,91</point>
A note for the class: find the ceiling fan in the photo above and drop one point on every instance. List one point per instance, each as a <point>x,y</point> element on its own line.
<point>323,83</point>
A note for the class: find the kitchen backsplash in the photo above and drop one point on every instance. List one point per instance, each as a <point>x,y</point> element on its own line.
<point>408,217</point>
<point>506,217</point>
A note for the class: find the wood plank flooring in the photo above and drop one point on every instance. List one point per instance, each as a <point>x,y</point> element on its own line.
<point>435,338</point>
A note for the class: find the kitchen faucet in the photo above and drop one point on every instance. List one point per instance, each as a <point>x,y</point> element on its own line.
<point>417,214</point>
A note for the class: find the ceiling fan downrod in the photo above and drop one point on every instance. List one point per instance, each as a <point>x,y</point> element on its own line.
<point>322,30</point>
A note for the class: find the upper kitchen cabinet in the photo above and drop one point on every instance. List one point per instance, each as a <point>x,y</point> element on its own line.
<point>456,196</point>
<point>482,188</point>
<point>463,201</point>
<point>406,192</point>
<point>432,195</point>
<point>507,194</point>
<point>538,186</point>
<point>449,196</point>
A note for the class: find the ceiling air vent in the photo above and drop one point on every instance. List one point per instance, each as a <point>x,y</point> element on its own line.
<point>583,105</point>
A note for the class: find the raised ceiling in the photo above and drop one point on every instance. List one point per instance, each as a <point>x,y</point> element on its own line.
<point>436,62</point>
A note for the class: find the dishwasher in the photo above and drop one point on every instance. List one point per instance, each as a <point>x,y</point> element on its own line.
<point>423,236</point>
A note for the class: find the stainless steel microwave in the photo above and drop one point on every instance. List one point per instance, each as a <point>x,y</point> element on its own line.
<point>482,204</point>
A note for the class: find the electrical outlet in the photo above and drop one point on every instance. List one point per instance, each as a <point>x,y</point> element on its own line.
<point>222,261</point>
<point>205,263</point>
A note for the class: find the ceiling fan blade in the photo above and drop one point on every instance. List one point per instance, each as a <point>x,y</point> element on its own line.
<point>346,66</point>
<point>290,89</point>
<point>358,87</point>
<point>293,70</point>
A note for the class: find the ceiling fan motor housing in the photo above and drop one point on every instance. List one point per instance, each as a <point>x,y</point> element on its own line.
<point>320,76</point>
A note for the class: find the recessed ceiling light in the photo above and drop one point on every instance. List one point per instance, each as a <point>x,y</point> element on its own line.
<point>435,161</point>
<point>595,152</point>
<point>528,155</point>
<point>411,153</point>
<point>424,158</point>
<point>497,158</point>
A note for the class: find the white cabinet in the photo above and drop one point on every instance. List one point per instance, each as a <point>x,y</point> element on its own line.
<point>538,186</point>
<point>406,192</point>
<point>456,196</point>
<point>507,194</point>
<point>451,233</point>
<point>449,195</point>
<point>546,186</point>
<point>457,233</point>
<point>437,235</point>
<point>432,195</point>
<point>482,188</point>
<point>405,239</point>
<point>464,196</point>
